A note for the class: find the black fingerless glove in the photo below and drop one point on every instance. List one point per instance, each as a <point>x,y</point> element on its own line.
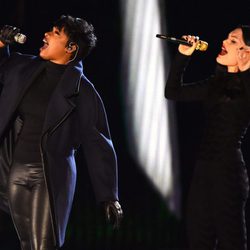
<point>8,33</point>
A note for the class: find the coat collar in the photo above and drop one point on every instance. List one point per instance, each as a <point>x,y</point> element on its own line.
<point>69,84</point>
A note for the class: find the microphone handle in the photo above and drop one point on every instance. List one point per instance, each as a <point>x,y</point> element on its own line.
<point>174,40</point>
<point>201,45</point>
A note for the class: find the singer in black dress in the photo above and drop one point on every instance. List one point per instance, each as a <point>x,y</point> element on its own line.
<point>219,187</point>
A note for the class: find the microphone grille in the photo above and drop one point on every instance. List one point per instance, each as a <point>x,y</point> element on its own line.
<point>20,38</point>
<point>202,46</point>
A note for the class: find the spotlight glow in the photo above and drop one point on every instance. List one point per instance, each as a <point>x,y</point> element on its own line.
<point>144,77</point>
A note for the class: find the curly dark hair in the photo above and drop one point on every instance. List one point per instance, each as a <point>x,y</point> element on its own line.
<point>79,32</point>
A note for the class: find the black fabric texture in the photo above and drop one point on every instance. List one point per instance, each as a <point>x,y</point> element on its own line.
<point>219,187</point>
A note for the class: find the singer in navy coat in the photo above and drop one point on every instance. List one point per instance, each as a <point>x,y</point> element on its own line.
<point>75,116</point>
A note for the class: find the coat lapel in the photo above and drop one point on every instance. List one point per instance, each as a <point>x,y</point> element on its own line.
<point>61,102</point>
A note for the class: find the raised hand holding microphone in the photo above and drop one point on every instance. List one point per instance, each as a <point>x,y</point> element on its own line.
<point>187,49</point>
<point>200,45</point>
<point>10,34</point>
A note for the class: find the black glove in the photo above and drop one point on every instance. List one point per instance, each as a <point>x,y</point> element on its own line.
<point>7,34</point>
<point>113,213</point>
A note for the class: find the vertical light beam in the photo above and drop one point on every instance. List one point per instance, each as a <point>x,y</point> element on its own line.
<point>144,75</point>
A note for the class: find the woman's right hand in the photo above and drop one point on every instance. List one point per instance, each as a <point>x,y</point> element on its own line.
<point>188,50</point>
<point>7,35</point>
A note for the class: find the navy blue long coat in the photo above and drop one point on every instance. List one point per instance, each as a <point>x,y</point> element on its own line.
<point>75,117</point>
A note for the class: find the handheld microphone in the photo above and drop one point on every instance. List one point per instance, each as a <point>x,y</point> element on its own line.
<point>201,46</point>
<point>20,38</point>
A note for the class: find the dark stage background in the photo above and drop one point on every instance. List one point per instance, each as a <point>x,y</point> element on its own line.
<point>148,223</point>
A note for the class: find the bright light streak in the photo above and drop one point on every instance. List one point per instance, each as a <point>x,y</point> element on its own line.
<point>144,77</point>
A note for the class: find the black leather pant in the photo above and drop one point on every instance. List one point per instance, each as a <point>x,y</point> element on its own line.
<point>29,205</point>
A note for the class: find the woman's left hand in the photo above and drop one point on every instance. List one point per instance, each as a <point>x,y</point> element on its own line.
<point>113,213</point>
<point>244,58</point>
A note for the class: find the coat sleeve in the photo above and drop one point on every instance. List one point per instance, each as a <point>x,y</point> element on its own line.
<point>4,55</point>
<point>97,144</point>
<point>175,88</point>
